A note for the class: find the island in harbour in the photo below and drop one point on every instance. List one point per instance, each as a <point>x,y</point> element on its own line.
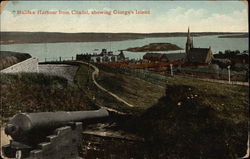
<point>155,47</point>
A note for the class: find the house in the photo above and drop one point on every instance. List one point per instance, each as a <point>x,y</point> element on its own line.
<point>160,57</point>
<point>104,56</point>
<point>173,57</point>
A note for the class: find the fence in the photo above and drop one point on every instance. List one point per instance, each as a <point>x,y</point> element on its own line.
<point>154,78</point>
<point>218,74</point>
<point>160,77</point>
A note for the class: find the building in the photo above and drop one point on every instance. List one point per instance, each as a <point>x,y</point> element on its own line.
<point>104,56</point>
<point>155,57</point>
<point>197,55</point>
<point>160,57</point>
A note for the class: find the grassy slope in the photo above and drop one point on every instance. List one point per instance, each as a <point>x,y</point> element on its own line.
<point>137,92</point>
<point>217,114</point>
<point>197,118</point>
<point>28,92</point>
<point>83,80</point>
<point>140,93</point>
<point>230,100</point>
<point>198,121</point>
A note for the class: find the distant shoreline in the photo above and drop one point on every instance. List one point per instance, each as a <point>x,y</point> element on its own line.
<point>50,37</point>
<point>246,35</point>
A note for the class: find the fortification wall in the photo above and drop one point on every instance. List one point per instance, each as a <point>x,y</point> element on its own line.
<point>63,70</point>
<point>29,65</point>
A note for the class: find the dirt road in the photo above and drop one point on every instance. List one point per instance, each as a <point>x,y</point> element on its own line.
<point>94,75</point>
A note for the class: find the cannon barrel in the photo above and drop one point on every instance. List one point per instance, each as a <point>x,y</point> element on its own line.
<point>23,123</point>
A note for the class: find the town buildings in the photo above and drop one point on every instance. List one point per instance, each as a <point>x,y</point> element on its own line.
<point>103,57</point>
<point>192,54</point>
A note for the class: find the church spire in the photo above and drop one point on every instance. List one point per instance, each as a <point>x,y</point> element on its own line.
<point>189,43</point>
<point>189,35</point>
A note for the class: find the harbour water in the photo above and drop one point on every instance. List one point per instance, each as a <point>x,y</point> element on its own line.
<point>70,49</point>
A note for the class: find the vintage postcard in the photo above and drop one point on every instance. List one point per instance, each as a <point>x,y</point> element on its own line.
<point>124,79</point>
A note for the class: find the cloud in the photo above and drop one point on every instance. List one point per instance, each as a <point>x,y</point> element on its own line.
<point>235,21</point>
<point>178,19</point>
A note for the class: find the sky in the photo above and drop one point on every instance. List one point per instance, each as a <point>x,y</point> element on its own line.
<point>165,16</point>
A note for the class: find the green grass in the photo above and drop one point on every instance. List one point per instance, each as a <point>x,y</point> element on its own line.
<point>84,81</point>
<point>137,92</point>
<point>177,116</point>
<point>198,122</point>
<point>195,119</point>
<point>222,97</point>
<point>32,92</point>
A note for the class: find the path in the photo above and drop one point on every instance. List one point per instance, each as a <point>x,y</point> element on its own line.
<point>96,73</point>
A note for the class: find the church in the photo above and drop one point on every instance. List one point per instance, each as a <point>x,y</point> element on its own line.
<point>197,55</point>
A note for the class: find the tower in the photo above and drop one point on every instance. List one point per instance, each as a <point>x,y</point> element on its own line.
<point>189,43</point>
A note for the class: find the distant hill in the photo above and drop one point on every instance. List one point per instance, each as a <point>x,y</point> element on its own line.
<point>245,35</point>
<point>8,58</point>
<point>53,37</point>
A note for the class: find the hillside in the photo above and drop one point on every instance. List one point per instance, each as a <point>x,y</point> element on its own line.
<point>246,35</point>
<point>53,37</point>
<point>193,119</point>
<point>198,122</point>
<point>8,58</point>
<point>33,92</point>
<point>137,92</point>
<point>178,117</point>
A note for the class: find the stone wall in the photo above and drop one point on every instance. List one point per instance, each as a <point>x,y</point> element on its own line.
<point>62,70</point>
<point>29,65</point>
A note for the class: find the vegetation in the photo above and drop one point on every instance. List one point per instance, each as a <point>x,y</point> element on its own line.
<point>198,122</point>
<point>196,119</point>
<point>33,92</point>
<point>232,57</point>
<point>178,117</point>
<point>8,58</point>
<point>139,93</point>
<point>226,99</point>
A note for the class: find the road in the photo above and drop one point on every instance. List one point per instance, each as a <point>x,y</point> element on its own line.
<point>94,75</point>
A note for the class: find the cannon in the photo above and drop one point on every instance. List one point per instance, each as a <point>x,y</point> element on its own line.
<point>46,135</point>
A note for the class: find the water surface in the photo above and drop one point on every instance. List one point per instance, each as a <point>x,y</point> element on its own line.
<point>70,49</point>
